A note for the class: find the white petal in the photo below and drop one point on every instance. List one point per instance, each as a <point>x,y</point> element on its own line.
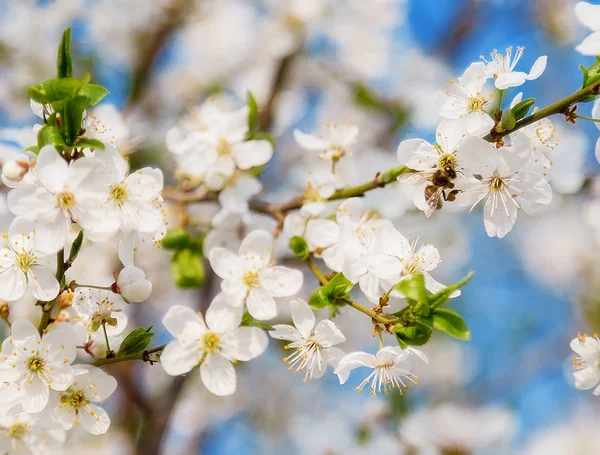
<point>322,233</point>
<point>586,378</point>
<point>60,375</point>
<point>36,395</point>
<point>351,361</point>
<point>51,169</point>
<point>590,45</point>
<point>218,375</point>
<point>245,343</point>
<point>51,231</point>
<point>588,15</point>
<point>22,329</point>
<point>588,349</point>
<point>327,334</point>
<point>280,281</point>
<point>429,257</point>
<point>94,419</point>
<point>538,68</point>
<point>417,154</point>
<point>303,317</point>
<point>433,286</point>
<point>310,142</point>
<point>12,284</point>
<point>332,356</point>
<point>252,153</point>
<point>383,266</point>
<point>225,263</point>
<point>179,358</point>
<point>222,316</point>
<point>255,250</point>
<point>283,332</point>
<point>261,305</point>
<point>42,283</point>
<point>183,323</point>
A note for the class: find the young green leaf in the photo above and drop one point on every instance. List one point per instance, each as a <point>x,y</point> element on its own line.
<point>261,135</point>
<point>76,247</point>
<point>176,238</point>
<point>72,115</point>
<point>521,109</point>
<point>413,334</point>
<point>299,246</point>
<point>507,122</point>
<point>85,142</point>
<point>452,323</point>
<point>252,113</point>
<point>93,92</point>
<point>50,135</point>
<point>249,321</point>
<point>187,269</point>
<point>413,287</point>
<point>54,90</point>
<point>64,66</point>
<point>320,298</point>
<point>136,341</point>
<point>439,298</point>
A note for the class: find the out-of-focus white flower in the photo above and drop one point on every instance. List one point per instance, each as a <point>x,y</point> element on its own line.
<point>22,433</point>
<point>79,404</point>
<point>568,157</point>
<point>106,124</point>
<point>23,267</point>
<point>502,68</point>
<point>313,346</point>
<point>589,15</point>
<point>37,364</point>
<point>587,362</point>
<point>212,345</point>
<point>250,276</point>
<point>450,428</point>
<point>133,285</point>
<point>506,183</point>
<point>234,199</point>
<point>391,369</point>
<point>335,143</point>
<point>465,103</point>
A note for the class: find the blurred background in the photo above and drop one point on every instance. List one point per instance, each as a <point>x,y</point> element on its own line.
<point>375,63</point>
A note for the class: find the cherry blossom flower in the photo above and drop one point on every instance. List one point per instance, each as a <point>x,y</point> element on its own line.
<point>212,345</point>
<point>589,15</point>
<point>465,102</point>
<point>234,199</point>
<point>79,403</point>
<point>250,276</point>
<point>37,364</point>
<point>336,142</point>
<point>313,345</point>
<point>213,151</point>
<point>66,191</point>
<point>505,182</point>
<point>394,259</point>
<point>23,267</point>
<point>391,369</point>
<point>95,307</point>
<point>587,362</point>
<point>22,433</point>
<point>501,68</point>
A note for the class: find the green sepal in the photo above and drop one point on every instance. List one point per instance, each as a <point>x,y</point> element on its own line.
<point>452,323</point>
<point>507,122</point>
<point>136,341</point>
<point>76,247</point>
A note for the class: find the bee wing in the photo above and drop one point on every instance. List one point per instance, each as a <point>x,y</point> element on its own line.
<point>412,178</point>
<point>433,201</point>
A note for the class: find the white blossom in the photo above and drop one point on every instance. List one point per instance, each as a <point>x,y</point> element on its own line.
<point>335,143</point>
<point>502,68</point>
<point>28,434</point>
<point>133,285</point>
<point>587,362</point>
<point>212,345</point>
<point>313,345</point>
<point>589,15</point>
<point>250,276</point>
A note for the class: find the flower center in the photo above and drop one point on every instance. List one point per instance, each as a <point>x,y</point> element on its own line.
<point>210,341</point>
<point>496,184</point>
<point>223,148</point>
<point>118,193</point>
<point>335,152</point>
<point>35,363</point>
<point>24,261</point>
<point>311,193</point>
<point>251,280</point>
<point>74,398</point>
<point>476,104</point>
<point>18,430</point>
<point>66,200</point>
<point>447,160</point>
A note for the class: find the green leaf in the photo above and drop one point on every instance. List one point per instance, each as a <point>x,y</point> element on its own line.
<point>136,341</point>
<point>32,148</point>
<point>76,247</point>
<point>299,246</point>
<point>413,334</point>
<point>85,142</point>
<point>261,135</point>
<point>93,92</point>
<point>439,298</point>
<point>338,287</point>
<point>365,97</point>
<point>50,135</point>
<point>187,269</point>
<point>452,323</point>
<point>413,287</point>
<point>176,238</point>
<point>521,109</point>
<point>590,74</point>
<point>64,66</point>
<point>252,113</point>
<point>72,116</point>
<point>54,90</point>
<point>507,122</point>
<point>320,298</point>
<point>249,321</point>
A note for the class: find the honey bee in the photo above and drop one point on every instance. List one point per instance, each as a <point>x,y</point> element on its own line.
<point>439,182</point>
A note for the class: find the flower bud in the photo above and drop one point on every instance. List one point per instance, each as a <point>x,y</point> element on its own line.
<point>132,284</point>
<point>65,299</point>
<point>15,170</point>
<point>4,310</point>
